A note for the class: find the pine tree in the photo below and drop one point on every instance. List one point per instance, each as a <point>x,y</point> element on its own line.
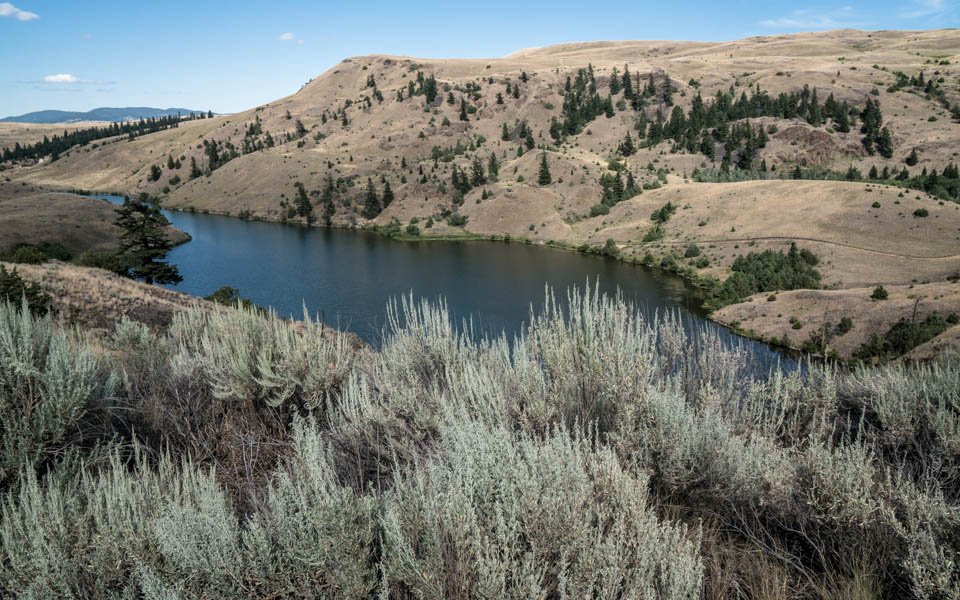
<point>169,162</point>
<point>885,143</point>
<point>329,209</point>
<point>626,146</point>
<point>387,197</point>
<point>194,170</point>
<point>463,110</point>
<point>302,202</point>
<point>543,178</point>
<point>615,85</point>
<point>493,167</point>
<point>450,99</point>
<point>430,88</point>
<point>505,133</point>
<point>913,158</point>
<point>478,177</point>
<point>371,207</point>
<point>144,238</point>
<point>516,91</point>
<point>627,84</point>
<point>499,98</point>
<point>874,173</point>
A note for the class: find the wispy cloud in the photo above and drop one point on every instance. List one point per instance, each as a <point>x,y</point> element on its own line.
<point>9,10</point>
<point>286,37</point>
<point>816,19</point>
<point>61,78</point>
<point>925,8</point>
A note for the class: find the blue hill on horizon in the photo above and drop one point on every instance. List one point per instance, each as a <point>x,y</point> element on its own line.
<point>129,113</point>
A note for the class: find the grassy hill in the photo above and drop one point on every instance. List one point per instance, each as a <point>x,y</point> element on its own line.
<point>358,122</point>
<point>29,215</point>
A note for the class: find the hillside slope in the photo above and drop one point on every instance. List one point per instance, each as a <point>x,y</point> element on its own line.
<point>29,215</point>
<point>830,104</point>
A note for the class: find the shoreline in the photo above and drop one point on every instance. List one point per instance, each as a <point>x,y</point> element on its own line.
<point>699,283</point>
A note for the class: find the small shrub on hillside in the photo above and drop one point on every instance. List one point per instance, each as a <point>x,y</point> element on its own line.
<point>663,214</point>
<point>692,251</point>
<point>879,293</point>
<point>599,209</point>
<point>903,337</point>
<point>108,260</point>
<point>653,234</point>
<point>610,248</point>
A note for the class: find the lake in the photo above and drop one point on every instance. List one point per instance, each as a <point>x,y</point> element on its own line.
<point>351,275</point>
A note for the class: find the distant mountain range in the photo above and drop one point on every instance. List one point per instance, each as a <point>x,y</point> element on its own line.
<point>129,113</point>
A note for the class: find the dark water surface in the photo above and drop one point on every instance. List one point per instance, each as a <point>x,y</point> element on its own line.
<point>351,275</point>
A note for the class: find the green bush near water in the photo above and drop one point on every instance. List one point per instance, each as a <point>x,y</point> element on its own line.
<point>599,454</point>
<point>768,271</point>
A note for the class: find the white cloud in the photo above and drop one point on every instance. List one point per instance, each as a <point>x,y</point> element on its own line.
<point>286,37</point>
<point>812,19</point>
<point>9,10</point>
<point>925,8</point>
<point>61,78</point>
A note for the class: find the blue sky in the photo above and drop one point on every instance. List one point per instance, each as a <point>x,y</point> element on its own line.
<point>75,55</point>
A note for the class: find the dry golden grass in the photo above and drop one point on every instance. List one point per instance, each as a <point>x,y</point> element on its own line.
<point>813,308</point>
<point>858,245</point>
<point>29,215</point>
<point>30,133</point>
<point>97,299</point>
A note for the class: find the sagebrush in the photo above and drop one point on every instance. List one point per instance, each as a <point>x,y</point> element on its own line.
<point>598,454</point>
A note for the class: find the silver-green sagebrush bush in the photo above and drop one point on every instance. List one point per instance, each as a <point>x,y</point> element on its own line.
<point>494,515</point>
<point>603,453</point>
<point>51,386</point>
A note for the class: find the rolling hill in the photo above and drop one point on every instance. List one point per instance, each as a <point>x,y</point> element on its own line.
<point>717,133</point>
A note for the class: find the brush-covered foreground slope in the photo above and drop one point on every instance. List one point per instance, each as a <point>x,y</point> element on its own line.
<point>97,301</point>
<point>29,215</point>
<point>599,454</point>
<point>353,130</point>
